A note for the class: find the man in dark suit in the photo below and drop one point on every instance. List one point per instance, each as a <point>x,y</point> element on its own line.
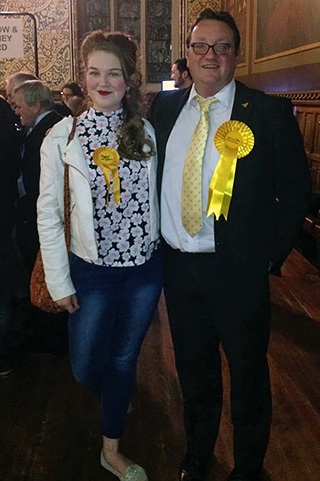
<point>34,104</point>
<point>216,280</point>
<point>9,168</point>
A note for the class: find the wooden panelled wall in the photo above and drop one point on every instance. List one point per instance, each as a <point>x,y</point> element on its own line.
<point>308,115</point>
<point>307,110</point>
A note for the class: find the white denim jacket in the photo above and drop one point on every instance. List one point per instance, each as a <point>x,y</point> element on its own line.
<point>54,154</point>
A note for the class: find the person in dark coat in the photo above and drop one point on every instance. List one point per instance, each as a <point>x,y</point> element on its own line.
<point>254,186</point>
<point>34,104</point>
<point>9,167</point>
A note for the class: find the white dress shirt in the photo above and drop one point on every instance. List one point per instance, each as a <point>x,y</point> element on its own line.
<point>176,151</point>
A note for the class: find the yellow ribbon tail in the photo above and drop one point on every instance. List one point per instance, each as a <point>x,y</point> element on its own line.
<point>107,171</point>
<point>221,185</point>
<point>107,159</point>
<point>116,184</point>
<point>106,174</point>
<point>215,201</point>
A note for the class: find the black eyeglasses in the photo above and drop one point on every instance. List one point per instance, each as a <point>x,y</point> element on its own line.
<point>201,48</point>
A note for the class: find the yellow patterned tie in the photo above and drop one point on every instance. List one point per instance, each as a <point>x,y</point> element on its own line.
<point>191,202</point>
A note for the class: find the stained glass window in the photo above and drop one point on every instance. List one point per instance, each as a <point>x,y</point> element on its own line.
<point>128,18</point>
<point>158,45</point>
<point>96,15</point>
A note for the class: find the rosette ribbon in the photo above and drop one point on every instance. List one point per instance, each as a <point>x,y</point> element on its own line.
<point>233,140</point>
<point>108,159</point>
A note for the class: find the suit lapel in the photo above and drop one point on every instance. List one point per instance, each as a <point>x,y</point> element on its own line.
<point>73,155</point>
<point>243,103</point>
<point>178,102</point>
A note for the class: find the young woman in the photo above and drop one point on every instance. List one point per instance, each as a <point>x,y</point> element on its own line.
<point>112,285</point>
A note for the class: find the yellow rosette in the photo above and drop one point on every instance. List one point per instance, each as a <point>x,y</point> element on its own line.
<point>107,159</point>
<point>233,140</point>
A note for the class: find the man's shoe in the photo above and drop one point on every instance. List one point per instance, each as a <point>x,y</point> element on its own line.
<point>5,373</point>
<point>189,476</point>
<point>191,473</point>
<point>234,476</point>
<point>193,469</point>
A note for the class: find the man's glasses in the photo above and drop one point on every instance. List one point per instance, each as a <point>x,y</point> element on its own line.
<point>201,48</point>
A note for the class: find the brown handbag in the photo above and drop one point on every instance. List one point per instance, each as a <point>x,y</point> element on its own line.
<point>39,294</point>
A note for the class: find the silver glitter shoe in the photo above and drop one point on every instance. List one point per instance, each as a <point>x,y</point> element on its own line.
<point>133,473</point>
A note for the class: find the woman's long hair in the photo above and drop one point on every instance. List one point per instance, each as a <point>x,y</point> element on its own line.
<point>132,141</point>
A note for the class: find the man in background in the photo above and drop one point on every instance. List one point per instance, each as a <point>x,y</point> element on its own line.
<point>180,73</point>
<point>9,168</point>
<point>34,104</point>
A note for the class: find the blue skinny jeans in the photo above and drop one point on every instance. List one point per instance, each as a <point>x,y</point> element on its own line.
<point>117,305</point>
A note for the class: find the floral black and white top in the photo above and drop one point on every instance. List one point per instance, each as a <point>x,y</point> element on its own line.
<point>122,230</point>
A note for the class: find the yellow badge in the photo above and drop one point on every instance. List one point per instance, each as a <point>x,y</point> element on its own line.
<point>233,140</point>
<point>108,159</point>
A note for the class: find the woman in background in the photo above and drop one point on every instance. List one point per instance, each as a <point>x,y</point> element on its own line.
<point>70,89</point>
<point>113,284</point>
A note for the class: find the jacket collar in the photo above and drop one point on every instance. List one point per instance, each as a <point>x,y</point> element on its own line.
<point>72,153</point>
<point>178,101</point>
<point>243,103</point>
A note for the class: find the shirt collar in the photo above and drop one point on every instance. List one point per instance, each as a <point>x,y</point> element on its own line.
<point>40,117</point>
<point>225,96</point>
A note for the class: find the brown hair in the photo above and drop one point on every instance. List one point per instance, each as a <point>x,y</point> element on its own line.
<point>220,16</point>
<point>131,136</point>
<point>74,87</point>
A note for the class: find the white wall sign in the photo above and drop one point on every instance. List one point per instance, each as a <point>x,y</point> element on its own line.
<point>11,37</point>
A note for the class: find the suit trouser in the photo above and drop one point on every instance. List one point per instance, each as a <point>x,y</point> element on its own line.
<point>206,312</point>
<point>6,321</point>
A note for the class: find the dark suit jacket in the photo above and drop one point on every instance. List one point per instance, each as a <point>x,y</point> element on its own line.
<point>62,109</point>
<point>27,234</point>
<point>272,184</point>
<point>9,168</point>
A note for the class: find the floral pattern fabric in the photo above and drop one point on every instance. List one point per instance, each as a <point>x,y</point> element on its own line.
<point>122,230</point>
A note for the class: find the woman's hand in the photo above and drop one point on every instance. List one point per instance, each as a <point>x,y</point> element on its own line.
<point>69,303</point>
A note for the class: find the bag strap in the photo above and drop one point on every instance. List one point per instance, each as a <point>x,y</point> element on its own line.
<point>73,130</point>
<point>66,190</point>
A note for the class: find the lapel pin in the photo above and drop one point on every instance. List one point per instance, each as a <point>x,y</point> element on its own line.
<point>245,105</point>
